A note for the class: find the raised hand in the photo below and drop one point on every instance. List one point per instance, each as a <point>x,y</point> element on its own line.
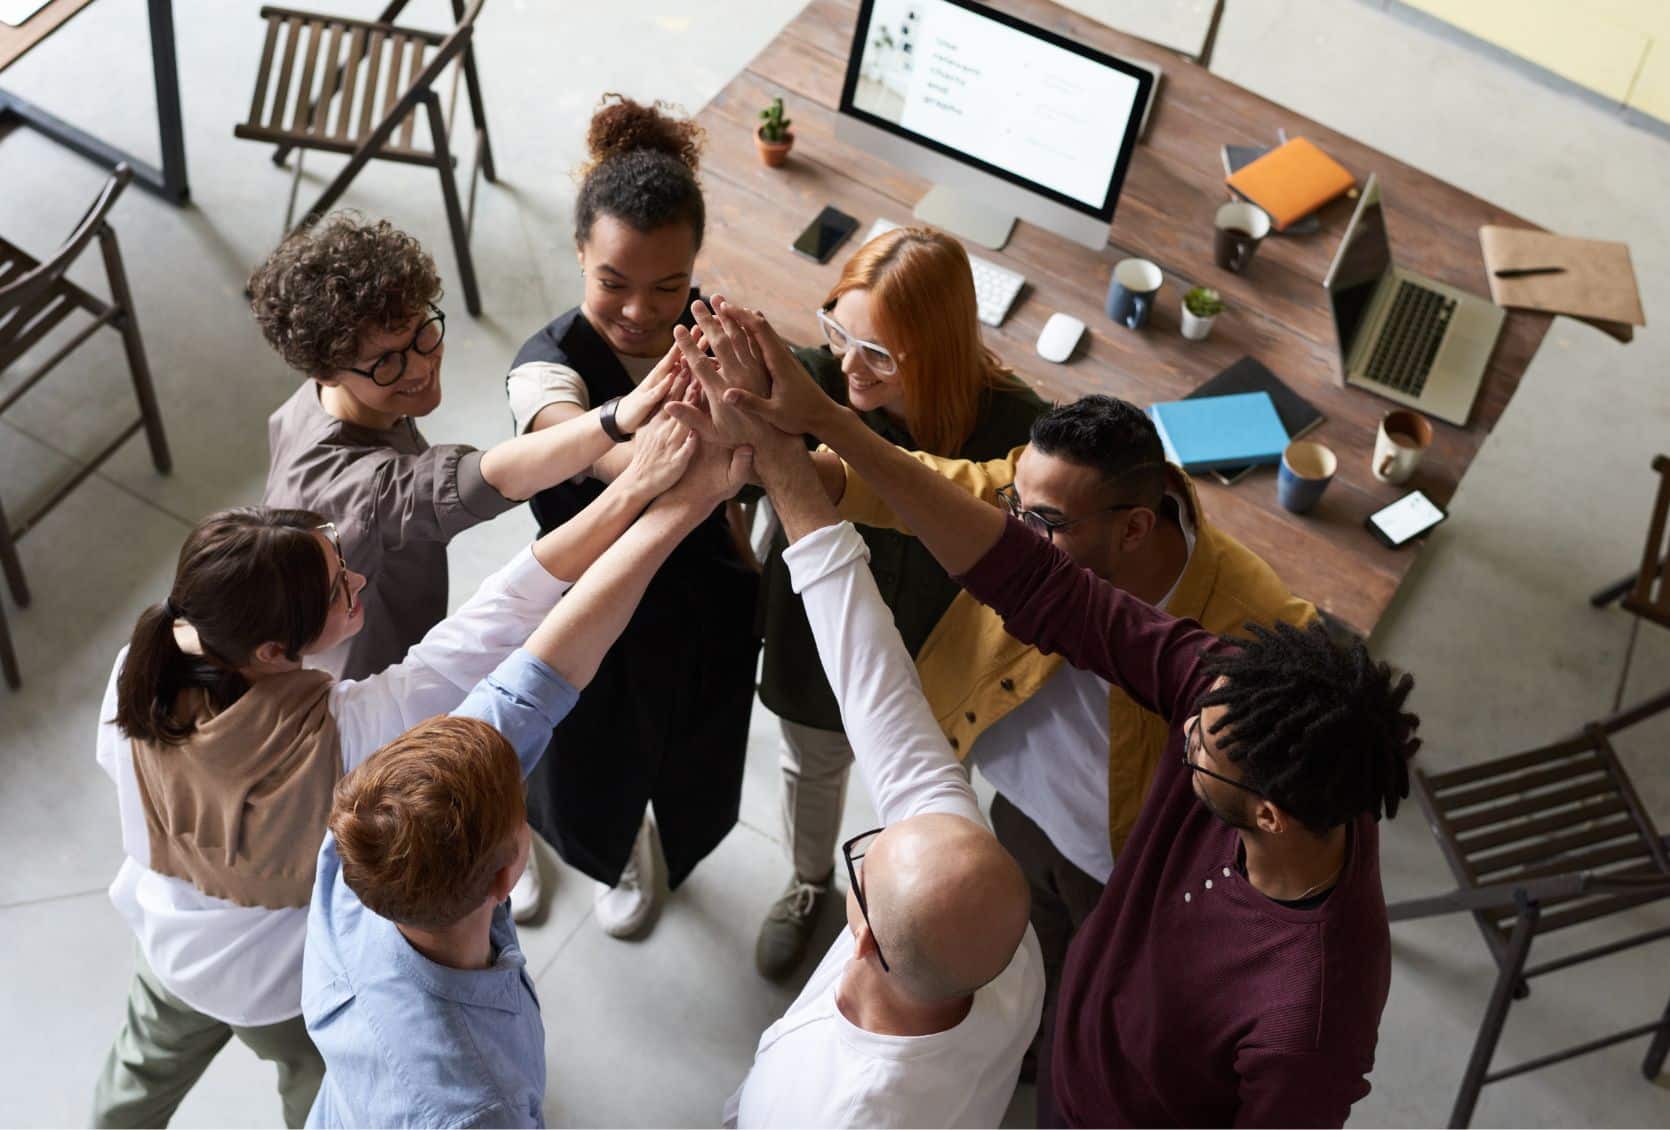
<point>662,450</point>
<point>637,406</point>
<point>796,403</point>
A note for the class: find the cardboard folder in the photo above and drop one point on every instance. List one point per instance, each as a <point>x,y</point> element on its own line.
<point>1597,285</point>
<point>1291,181</point>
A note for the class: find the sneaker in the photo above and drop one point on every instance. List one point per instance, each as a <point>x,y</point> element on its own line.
<point>788,928</point>
<point>526,895</point>
<point>625,908</point>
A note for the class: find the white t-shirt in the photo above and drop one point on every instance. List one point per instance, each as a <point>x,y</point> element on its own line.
<point>242,965</point>
<point>814,1067</point>
<point>1049,755</point>
<point>536,385</point>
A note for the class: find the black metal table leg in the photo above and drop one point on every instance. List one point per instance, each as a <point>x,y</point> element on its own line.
<point>169,181</point>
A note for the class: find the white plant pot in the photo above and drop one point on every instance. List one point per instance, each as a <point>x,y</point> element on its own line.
<point>1195,328</point>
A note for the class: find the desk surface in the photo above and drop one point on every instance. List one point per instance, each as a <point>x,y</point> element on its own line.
<point>1165,212</point>
<point>15,42</point>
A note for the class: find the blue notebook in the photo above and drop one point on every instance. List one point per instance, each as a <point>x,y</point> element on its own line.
<point>1220,431</point>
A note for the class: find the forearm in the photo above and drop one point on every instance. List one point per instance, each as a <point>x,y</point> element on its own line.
<point>832,473</point>
<point>568,551</point>
<point>798,489</point>
<point>957,528</point>
<point>522,467</point>
<point>613,463</point>
<point>579,631</point>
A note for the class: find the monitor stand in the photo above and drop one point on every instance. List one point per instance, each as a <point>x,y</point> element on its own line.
<point>962,215</point>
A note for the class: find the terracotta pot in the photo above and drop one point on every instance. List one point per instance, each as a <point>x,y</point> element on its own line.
<point>773,153</point>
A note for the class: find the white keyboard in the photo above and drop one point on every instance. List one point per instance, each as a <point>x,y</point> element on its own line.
<point>995,287</point>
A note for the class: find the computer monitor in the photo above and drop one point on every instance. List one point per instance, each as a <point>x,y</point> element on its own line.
<point>1008,119</point>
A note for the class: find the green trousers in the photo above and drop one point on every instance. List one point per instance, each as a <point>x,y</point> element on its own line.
<point>165,1046</point>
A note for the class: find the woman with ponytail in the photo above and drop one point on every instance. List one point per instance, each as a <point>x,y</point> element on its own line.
<point>672,701</point>
<point>225,748</point>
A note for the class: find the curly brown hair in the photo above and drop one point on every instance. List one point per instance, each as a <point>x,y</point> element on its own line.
<point>642,169</point>
<point>328,285</point>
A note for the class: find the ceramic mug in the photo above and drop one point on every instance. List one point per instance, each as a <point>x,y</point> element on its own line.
<point>1306,470</point>
<point>1240,228</point>
<point>1131,292</point>
<point>1403,439</point>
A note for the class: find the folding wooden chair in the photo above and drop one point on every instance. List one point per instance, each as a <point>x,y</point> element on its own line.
<point>358,87</point>
<point>35,298</point>
<point>1646,593</point>
<point>1538,842</point>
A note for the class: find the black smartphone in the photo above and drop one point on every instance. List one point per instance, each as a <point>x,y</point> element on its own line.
<point>824,234</point>
<point>1405,520</point>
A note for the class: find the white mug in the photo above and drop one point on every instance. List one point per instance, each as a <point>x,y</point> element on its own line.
<point>1403,439</point>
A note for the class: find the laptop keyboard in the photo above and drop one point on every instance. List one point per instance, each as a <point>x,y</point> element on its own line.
<point>1409,339</point>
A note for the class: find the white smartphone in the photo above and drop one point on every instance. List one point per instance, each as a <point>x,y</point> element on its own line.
<point>1405,520</point>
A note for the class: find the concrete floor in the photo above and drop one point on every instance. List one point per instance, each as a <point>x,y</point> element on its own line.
<point>658,1032</point>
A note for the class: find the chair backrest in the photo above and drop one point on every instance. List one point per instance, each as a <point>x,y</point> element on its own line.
<point>20,295</point>
<point>1650,598</point>
<point>1562,809</point>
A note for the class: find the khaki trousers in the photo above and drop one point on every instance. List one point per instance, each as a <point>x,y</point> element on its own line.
<point>816,764</point>
<point>165,1045</point>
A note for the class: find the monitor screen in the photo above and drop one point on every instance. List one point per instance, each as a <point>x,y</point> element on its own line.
<point>1011,99</point>
<point>1365,254</point>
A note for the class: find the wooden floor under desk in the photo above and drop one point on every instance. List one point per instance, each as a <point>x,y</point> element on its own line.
<point>1277,311</point>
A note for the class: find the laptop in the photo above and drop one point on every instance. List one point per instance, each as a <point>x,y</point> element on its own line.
<point>1403,336</point>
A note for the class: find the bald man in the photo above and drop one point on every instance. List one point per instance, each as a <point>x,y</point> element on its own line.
<point>922,1009</point>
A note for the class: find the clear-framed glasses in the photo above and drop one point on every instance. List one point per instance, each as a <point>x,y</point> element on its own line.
<point>853,851</point>
<point>341,582</point>
<point>877,357</point>
<point>391,366</point>
<point>1193,743</point>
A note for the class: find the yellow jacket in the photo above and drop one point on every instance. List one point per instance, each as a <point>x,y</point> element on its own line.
<point>974,672</point>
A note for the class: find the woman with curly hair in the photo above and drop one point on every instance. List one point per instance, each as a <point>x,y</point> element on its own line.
<point>352,305</point>
<point>673,699</point>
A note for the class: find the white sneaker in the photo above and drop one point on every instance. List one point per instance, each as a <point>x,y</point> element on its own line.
<point>625,908</point>
<point>525,895</point>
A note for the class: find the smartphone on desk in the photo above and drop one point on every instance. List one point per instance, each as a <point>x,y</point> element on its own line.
<point>1408,518</point>
<point>825,234</point>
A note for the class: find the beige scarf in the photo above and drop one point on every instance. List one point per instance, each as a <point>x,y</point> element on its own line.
<point>239,810</point>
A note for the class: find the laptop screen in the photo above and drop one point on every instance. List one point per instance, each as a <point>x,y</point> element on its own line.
<point>1365,254</point>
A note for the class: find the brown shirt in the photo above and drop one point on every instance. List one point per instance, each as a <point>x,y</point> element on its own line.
<point>396,502</point>
<point>239,809</point>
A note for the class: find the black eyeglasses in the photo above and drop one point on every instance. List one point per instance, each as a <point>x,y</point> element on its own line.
<point>1193,742</point>
<point>391,366</point>
<point>1045,526</point>
<point>854,850</point>
<point>341,582</point>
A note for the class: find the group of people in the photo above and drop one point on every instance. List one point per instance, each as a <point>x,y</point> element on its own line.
<point>328,787</point>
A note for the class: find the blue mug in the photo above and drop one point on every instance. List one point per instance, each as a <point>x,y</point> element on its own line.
<point>1131,292</point>
<point>1306,470</point>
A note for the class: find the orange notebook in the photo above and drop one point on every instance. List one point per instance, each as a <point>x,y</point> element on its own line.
<point>1291,181</point>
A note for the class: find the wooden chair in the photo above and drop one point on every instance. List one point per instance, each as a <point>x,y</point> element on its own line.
<point>1646,593</point>
<point>35,298</point>
<point>1538,842</point>
<point>358,87</point>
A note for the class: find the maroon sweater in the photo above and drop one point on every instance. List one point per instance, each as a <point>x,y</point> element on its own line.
<point>1189,998</point>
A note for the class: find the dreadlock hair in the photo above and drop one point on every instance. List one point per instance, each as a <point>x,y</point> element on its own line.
<point>1318,727</point>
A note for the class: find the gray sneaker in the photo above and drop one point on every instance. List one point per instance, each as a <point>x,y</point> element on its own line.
<point>788,928</point>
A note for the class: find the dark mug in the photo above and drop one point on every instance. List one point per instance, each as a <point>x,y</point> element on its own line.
<point>1131,292</point>
<point>1306,470</point>
<point>1240,229</point>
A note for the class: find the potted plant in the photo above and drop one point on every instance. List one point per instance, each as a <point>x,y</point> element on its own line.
<point>1201,307</point>
<point>774,139</point>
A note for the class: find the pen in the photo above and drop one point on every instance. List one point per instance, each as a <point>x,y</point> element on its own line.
<point>1527,272</point>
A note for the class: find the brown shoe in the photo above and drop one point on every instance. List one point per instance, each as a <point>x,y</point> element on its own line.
<point>788,928</point>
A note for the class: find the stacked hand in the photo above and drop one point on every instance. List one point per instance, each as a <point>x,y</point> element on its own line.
<point>663,383</point>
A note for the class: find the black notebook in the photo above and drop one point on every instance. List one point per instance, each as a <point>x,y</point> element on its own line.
<point>1298,415</point>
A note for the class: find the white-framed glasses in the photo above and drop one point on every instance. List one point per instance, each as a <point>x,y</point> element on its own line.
<point>877,357</point>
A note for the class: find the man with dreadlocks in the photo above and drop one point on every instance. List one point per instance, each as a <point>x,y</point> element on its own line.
<point>1236,966</point>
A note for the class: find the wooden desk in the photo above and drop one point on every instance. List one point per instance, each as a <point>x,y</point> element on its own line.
<point>167,181</point>
<point>1175,183</point>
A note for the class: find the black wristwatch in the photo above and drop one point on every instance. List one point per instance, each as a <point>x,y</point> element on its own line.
<point>606,417</point>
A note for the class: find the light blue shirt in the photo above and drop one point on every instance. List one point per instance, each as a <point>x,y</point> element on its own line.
<point>407,1042</point>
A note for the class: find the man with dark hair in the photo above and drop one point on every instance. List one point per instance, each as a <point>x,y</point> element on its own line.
<point>1071,755</point>
<point>1235,968</point>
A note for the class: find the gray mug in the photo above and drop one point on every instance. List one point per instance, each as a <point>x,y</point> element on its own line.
<point>1131,292</point>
